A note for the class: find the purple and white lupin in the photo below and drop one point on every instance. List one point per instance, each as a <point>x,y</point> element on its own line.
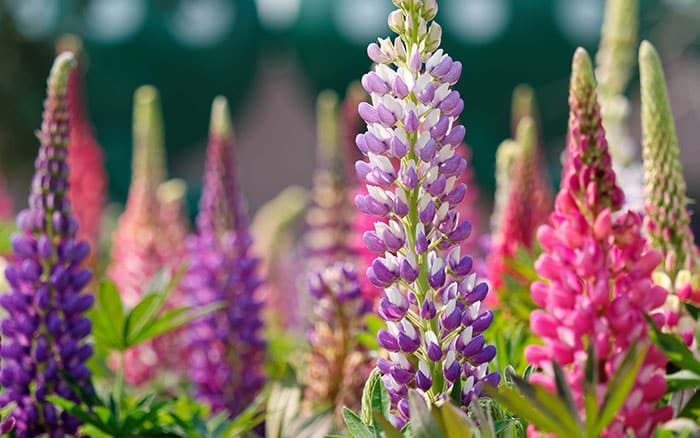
<point>44,333</point>
<point>227,349</point>
<point>433,301</point>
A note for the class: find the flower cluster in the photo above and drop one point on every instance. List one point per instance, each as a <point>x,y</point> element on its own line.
<point>326,239</point>
<point>150,234</point>
<point>88,181</point>
<point>432,302</point>
<point>525,209</point>
<point>598,270</point>
<point>666,220</point>
<point>45,330</point>
<point>227,348</point>
<point>337,367</point>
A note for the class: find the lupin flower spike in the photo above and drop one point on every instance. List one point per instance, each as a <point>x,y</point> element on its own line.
<point>615,59</point>
<point>525,210</point>
<point>45,327</point>
<point>432,301</point>
<point>147,238</point>
<point>137,234</point>
<point>88,180</point>
<point>597,271</point>
<point>328,218</point>
<point>666,221</point>
<point>337,367</point>
<point>524,105</point>
<point>227,348</point>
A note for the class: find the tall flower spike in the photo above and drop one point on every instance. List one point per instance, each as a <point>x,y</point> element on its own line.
<point>147,238</point>
<point>615,60</point>
<point>666,221</point>
<point>338,366</point>
<point>597,271</point>
<point>135,250</point>
<point>526,208</point>
<point>432,301</point>
<point>45,327</point>
<point>227,348</point>
<point>88,180</point>
<point>328,218</point>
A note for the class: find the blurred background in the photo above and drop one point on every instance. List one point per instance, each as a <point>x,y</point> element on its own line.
<point>272,57</point>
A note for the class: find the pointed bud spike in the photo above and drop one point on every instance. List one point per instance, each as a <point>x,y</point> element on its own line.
<point>582,79</point>
<point>149,148</point>
<point>615,56</point>
<point>665,188</point>
<point>523,104</point>
<point>220,123</point>
<point>587,146</point>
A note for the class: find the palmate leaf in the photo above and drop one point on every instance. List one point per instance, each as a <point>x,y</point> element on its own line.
<point>172,320</point>
<point>107,316</point>
<point>158,290</point>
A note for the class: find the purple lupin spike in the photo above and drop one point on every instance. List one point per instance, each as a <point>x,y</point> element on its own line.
<point>432,304</point>
<point>227,347</point>
<point>45,330</point>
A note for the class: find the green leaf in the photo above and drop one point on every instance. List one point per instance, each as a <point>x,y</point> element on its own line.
<point>283,406</point>
<point>456,421</point>
<point>550,405</point>
<point>620,385</point>
<point>367,340</point>
<point>367,407</point>
<point>423,424</point>
<point>141,315</point>
<point>374,323</point>
<point>355,425</point>
<point>674,348</point>
<point>524,408</point>
<point>682,380</point>
<point>76,410</point>
<point>692,408</point>
<point>590,385</point>
<point>564,392</point>
<point>172,320</point>
<point>107,316</point>
<point>387,428</point>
